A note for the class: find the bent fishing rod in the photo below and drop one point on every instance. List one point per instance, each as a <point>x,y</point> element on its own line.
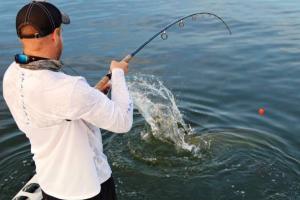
<point>164,36</point>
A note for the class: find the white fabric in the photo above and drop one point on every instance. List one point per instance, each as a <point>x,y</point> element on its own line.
<point>69,158</point>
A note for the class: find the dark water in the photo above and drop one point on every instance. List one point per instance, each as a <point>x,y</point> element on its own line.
<point>219,82</point>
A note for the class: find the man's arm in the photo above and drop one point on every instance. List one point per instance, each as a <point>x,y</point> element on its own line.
<point>93,106</point>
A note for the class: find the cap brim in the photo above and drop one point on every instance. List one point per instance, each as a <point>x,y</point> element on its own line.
<point>65,18</point>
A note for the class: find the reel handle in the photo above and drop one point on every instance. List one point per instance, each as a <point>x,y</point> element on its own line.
<point>107,77</point>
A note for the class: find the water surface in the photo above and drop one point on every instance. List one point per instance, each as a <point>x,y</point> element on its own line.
<point>217,84</point>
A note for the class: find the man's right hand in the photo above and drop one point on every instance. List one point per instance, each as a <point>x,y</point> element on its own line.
<point>119,65</point>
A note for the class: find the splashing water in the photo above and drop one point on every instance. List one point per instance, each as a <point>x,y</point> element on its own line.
<point>157,105</point>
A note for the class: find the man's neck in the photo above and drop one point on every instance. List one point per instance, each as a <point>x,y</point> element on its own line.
<point>41,54</point>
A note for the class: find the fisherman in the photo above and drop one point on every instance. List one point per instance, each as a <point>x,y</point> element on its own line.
<point>61,114</point>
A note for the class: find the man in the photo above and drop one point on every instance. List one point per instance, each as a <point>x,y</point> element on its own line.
<point>61,114</point>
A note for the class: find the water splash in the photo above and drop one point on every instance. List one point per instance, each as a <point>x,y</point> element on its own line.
<point>157,105</point>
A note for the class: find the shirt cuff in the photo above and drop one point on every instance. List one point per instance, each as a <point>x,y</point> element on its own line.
<point>117,71</point>
<point>118,77</point>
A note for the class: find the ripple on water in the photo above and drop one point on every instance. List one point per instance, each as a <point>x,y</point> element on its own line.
<point>226,156</point>
<point>18,166</point>
<point>222,81</point>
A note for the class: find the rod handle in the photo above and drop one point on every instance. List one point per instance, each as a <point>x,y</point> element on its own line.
<point>103,81</point>
<point>127,58</point>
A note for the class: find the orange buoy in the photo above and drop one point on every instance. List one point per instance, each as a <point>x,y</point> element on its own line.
<point>261,111</point>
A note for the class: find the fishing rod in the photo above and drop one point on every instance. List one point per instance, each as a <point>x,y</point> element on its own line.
<point>164,36</point>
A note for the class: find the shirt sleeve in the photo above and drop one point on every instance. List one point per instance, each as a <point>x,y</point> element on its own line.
<point>93,106</point>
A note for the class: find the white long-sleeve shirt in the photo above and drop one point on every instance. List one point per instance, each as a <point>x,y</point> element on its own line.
<point>69,158</point>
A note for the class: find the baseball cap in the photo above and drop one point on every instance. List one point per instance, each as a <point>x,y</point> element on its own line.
<point>43,16</point>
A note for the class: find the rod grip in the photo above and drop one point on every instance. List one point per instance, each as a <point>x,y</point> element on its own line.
<point>103,81</point>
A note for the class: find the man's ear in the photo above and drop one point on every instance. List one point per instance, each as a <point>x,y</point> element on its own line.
<point>56,36</point>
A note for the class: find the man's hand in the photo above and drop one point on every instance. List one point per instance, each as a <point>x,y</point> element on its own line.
<point>104,84</point>
<point>119,65</point>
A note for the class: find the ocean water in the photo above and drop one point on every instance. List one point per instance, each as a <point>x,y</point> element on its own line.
<point>197,133</point>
